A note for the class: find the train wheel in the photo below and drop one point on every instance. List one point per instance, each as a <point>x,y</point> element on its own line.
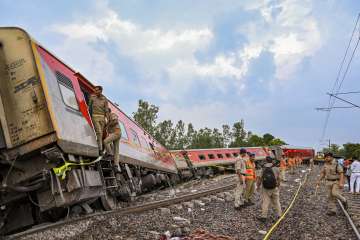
<point>109,202</point>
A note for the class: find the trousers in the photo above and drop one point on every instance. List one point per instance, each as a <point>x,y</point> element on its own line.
<point>249,190</point>
<point>333,194</point>
<point>239,198</point>
<point>282,173</point>
<point>270,197</point>
<point>355,177</point>
<point>114,139</point>
<point>99,125</point>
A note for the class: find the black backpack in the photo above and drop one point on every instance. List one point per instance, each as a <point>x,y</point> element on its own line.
<point>268,178</point>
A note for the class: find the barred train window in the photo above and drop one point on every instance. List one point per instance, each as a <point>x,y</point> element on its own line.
<point>123,131</point>
<point>67,91</point>
<point>134,137</point>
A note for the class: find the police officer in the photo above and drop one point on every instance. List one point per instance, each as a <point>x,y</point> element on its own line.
<point>270,180</point>
<point>98,108</point>
<point>250,177</point>
<point>240,171</point>
<point>334,176</point>
<point>114,135</point>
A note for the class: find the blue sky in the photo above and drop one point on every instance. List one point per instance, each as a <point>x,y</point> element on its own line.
<point>209,62</point>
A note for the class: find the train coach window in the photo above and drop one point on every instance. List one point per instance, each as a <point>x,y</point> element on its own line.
<point>67,91</point>
<point>134,137</point>
<point>202,157</point>
<point>211,156</point>
<point>228,155</point>
<point>235,154</point>
<point>123,131</point>
<point>144,143</point>
<point>220,156</point>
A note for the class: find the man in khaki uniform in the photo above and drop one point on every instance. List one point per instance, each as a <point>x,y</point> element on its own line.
<point>240,171</point>
<point>250,178</point>
<point>270,189</point>
<point>98,107</point>
<point>114,135</point>
<point>334,176</point>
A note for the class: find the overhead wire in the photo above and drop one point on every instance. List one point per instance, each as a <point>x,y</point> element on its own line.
<point>331,99</point>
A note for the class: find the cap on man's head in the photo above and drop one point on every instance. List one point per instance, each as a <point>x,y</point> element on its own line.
<point>99,88</point>
<point>328,154</point>
<point>243,151</point>
<point>252,154</point>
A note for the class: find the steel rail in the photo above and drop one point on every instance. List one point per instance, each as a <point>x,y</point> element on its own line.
<point>123,211</point>
<point>356,231</point>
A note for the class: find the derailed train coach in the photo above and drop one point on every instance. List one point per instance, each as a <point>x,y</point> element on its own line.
<point>49,158</point>
<point>288,151</point>
<point>206,162</point>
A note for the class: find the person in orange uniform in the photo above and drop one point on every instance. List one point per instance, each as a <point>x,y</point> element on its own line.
<point>250,178</point>
<point>283,168</point>
<point>291,163</point>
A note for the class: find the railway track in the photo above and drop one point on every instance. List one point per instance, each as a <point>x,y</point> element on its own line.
<point>123,211</point>
<point>353,212</point>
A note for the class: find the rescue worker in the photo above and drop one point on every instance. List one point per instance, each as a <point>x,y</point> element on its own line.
<point>270,180</point>
<point>98,108</point>
<point>311,163</point>
<point>113,138</point>
<point>283,167</point>
<point>240,171</point>
<point>334,176</point>
<point>250,178</point>
<point>291,163</point>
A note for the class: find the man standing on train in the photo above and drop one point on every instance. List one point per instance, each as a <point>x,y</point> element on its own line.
<point>240,171</point>
<point>98,108</point>
<point>250,177</point>
<point>334,175</point>
<point>113,138</point>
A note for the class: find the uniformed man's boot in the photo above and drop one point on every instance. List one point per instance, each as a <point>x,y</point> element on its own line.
<point>261,219</point>
<point>331,213</point>
<point>345,204</point>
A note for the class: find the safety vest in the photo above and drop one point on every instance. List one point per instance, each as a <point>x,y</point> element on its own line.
<point>250,170</point>
<point>282,164</point>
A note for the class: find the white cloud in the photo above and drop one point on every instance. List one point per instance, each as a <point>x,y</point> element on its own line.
<point>166,57</point>
<point>288,30</point>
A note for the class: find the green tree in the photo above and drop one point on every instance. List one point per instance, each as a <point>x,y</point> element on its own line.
<point>255,141</point>
<point>238,134</point>
<point>226,134</point>
<point>217,139</point>
<point>146,116</point>
<point>267,138</point>
<point>277,142</point>
<point>180,137</point>
<point>163,132</point>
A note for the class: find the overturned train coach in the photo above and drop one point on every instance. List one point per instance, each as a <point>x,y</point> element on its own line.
<point>206,162</point>
<point>49,158</point>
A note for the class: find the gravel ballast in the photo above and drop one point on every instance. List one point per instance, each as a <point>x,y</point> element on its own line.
<point>216,215</point>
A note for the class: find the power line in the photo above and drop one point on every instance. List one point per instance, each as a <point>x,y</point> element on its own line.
<point>341,93</point>
<point>332,100</point>
<point>329,109</point>
<point>344,100</point>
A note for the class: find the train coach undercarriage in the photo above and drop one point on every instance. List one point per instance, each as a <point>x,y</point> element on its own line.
<point>59,185</point>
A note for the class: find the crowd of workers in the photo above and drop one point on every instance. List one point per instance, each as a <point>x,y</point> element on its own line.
<point>273,172</point>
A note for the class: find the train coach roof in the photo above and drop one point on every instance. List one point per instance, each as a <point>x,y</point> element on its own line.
<point>78,74</point>
<point>296,147</point>
<point>213,149</point>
